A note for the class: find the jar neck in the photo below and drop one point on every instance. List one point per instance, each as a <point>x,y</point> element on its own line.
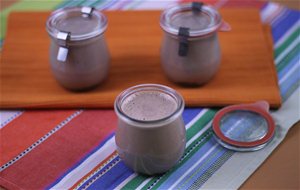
<point>80,42</point>
<point>149,123</point>
<point>210,35</point>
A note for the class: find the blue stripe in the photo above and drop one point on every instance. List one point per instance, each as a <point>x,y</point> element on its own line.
<point>200,169</point>
<point>62,4</point>
<point>291,90</point>
<point>81,161</point>
<point>293,78</point>
<point>279,30</point>
<point>189,114</point>
<point>294,61</point>
<point>182,169</point>
<point>106,168</point>
<point>113,178</point>
<point>119,172</point>
<point>281,17</point>
<point>67,3</point>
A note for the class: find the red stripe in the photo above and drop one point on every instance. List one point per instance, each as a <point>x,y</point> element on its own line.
<point>8,185</point>
<point>46,163</point>
<point>94,169</point>
<point>23,131</point>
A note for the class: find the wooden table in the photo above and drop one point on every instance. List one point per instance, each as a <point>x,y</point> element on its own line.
<point>282,169</point>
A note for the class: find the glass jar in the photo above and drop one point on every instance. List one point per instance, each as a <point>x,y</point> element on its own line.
<point>150,136</point>
<point>79,56</point>
<point>190,50</point>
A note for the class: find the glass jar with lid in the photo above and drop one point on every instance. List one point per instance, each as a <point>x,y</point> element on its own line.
<point>79,55</point>
<point>190,51</point>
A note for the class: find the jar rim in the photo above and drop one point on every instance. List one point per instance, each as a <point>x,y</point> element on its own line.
<point>149,87</point>
<point>169,13</point>
<point>59,14</point>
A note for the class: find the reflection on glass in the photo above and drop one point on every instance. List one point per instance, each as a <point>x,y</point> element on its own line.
<point>243,126</point>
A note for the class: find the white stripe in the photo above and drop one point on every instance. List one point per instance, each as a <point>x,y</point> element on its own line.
<point>8,116</point>
<point>275,14</point>
<point>282,14</point>
<point>287,34</point>
<point>42,139</point>
<point>192,122</point>
<point>95,178</point>
<point>296,66</point>
<point>195,119</point>
<point>154,5</point>
<point>199,134</point>
<point>116,6</point>
<point>88,165</point>
<point>143,184</point>
<point>132,5</point>
<point>126,181</point>
<point>269,11</point>
<point>194,166</point>
<point>287,50</point>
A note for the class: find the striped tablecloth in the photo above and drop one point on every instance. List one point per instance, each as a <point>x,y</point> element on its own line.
<point>62,149</point>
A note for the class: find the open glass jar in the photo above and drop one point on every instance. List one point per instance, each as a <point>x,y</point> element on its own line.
<point>150,136</point>
<point>79,56</point>
<point>190,51</point>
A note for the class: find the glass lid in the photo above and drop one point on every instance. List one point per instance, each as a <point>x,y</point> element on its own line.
<point>244,127</point>
<point>80,22</point>
<point>200,19</point>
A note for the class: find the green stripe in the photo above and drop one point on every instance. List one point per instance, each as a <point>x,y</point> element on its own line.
<point>98,3</point>
<point>65,3</point>
<point>196,127</point>
<point>139,179</point>
<point>71,3</point>
<point>133,5</point>
<point>78,3</point>
<point>288,58</point>
<point>190,151</point>
<point>25,5</point>
<point>287,42</point>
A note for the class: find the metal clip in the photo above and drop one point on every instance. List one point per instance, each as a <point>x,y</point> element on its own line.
<point>63,50</point>
<point>197,7</point>
<point>183,34</point>
<point>87,11</point>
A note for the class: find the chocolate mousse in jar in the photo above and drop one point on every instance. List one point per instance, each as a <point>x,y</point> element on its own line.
<point>79,56</point>
<point>190,50</point>
<point>151,135</point>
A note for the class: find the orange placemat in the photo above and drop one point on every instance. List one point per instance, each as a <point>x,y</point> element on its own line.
<point>247,71</point>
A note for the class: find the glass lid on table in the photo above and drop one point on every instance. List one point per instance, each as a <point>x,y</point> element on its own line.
<point>245,127</point>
